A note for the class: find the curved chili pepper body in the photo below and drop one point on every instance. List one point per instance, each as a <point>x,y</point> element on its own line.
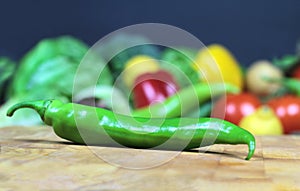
<point>89,125</point>
<point>185,100</point>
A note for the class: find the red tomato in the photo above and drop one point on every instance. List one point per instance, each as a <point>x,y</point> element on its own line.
<point>287,108</point>
<point>233,107</point>
<point>296,73</point>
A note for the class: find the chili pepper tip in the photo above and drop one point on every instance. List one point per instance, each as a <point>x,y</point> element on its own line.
<point>251,148</point>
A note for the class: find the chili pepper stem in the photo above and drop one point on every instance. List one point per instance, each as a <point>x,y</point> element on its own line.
<point>39,106</point>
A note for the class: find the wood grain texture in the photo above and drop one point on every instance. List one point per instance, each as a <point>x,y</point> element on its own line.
<point>36,159</point>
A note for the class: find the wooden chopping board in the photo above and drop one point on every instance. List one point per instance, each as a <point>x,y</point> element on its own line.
<point>34,158</point>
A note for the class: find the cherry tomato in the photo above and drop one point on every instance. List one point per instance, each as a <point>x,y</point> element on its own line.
<point>233,107</point>
<point>287,108</point>
<point>153,87</point>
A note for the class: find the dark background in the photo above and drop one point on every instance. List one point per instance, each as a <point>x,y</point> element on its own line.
<point>250,29</point>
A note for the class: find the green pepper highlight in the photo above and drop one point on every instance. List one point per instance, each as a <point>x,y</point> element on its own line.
<point>74,122</point>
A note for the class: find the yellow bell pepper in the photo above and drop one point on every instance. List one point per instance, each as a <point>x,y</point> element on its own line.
<point>217,64</point>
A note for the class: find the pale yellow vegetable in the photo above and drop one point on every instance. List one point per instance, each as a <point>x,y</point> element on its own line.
<point>262,122</point>
<point>256,77</point>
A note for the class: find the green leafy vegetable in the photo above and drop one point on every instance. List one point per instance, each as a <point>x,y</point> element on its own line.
<point>48,71</point>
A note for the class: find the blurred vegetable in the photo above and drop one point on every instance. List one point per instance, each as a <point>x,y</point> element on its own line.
<point>256,78</point>
<point>217,64</point>
<point>138,65</point>
<point>185,100</point>
<point>7,68</point>
<point>291,84</point>
<point>126,46</point>
<point>233,107</point>
<point>105,97</point>
<point>150,88</point>
<point>286,62</point>
<point>287,108</point>
<point>48,57</point>
<point>262,122</point>
<point>296,71</point>
<point>47,71</point>
<point>203,110</point>
<point>180,62</point>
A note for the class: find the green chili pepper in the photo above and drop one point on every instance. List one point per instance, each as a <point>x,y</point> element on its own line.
<point>185,100</point>
<point>76,123</point>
